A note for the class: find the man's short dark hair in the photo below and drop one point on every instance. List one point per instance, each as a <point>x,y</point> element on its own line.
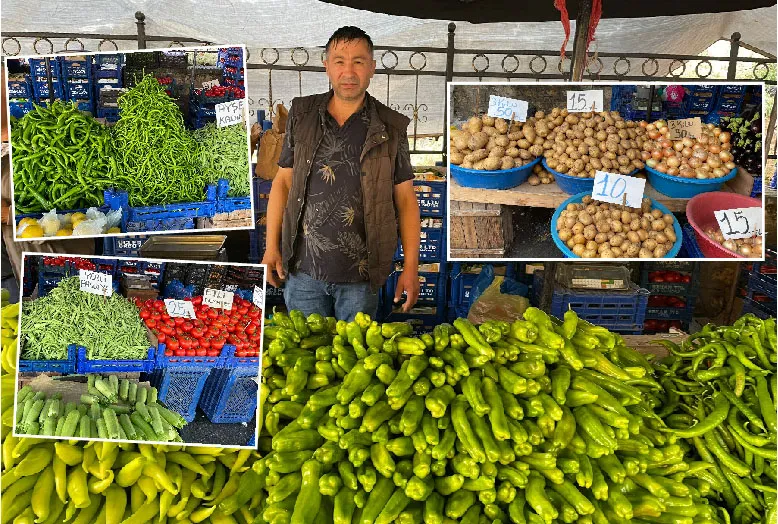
<point>349,33</point>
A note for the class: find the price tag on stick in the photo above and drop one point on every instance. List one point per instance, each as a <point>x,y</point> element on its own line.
<point>217,298</point>
<point>618,189</point>
<point>584,101</point>
<point>95,282</point>
<point>258,297</point>
<point>685,128</point>
<point>507,108</point>
<point>740,223</point>
<point>180,308</point>
<point>229,113</point>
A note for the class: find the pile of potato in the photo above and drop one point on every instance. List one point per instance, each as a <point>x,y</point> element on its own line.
<point>577,144</point>
<point>540,175</point>
<point>593,229</point>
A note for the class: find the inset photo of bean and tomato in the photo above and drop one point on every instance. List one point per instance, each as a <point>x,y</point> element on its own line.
<point>642,171</point>
<point>140,350</point>
<point>113,143</point>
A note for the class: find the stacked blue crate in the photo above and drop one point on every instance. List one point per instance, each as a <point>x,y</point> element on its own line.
<point>39,78</point>
<point>624,99</point>
<point>107,74</point>
<point>760,280</point>
<point>20,96</point>
<point>728,103</point>
<point>78,81</point>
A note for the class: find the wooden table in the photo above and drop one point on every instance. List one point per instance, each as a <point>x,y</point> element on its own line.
<point>551,196</point>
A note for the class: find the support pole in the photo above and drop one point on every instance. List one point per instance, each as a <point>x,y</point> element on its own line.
<point>141,24</point>
<point>733,52</point>
<point>578,65</point>
<point>452,27</point>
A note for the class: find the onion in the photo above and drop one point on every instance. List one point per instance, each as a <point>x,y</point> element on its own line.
<point>745,250</point>
<point>661,167</point>
<point>673,161</point>
<point>645,155</point>
<point>715,149</point>
<point>695,162</point>
<point>688,142</point>
<point>668,152</point>
<point>725,137</point>
<point>686,152</point>
<point>716,131</point>
<point>650,127</point>
<point>730,244</point>
<point>678,146</point>
<point>652,162</point>
<point>663,129</point>
<point>725,156</point>
<point>673,171</point>
<point>700,173</point>
<point>718,172</point>
<point>714,161</point>
<point>656,153</point>
<point>700,153</point>
<point>653,135</point>
<point>687,173</point>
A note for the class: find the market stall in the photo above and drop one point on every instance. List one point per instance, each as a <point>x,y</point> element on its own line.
<point>547,153</point>
<point>183,337</point>
<point>134,143</point>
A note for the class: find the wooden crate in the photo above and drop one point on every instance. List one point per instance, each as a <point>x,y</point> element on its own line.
<point>479,230</point>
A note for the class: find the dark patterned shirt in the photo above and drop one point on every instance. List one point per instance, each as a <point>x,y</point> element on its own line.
<point>333,245</point>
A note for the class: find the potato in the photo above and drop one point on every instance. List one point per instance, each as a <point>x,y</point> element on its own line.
<point>645,253</point>
<point>585,218</point>
<point>491,163</point>
<point>477,155</point>
<point>570,243</point>
<point>578,238</point>
<point>590,232</point>
<point>658,225</point>
<point>478,140</point>
<point>670,234</point>
<point>501,126</point>
<point>617,252</point>
<point>467,164</point>
<point>462,140</point>
<point>541,128</point>
<point>607,252</point>
<point>497,152</point>
<point>601,238</point>
<point>536,150</point>
<point>603,226</point>
<point>512,152</point>
<point>591,245</point>
<point>589,253</point>
<point>626,217</point>
<point>669,219</point>
<point>489,130</point>
<point>617,226</point>
<point>642,234</point>
<point>657,214</point>
<point>534,180</point>
<point>474,125</point>
<point>479,165</point>
<point>650,244</point>
<point>502,140</point>
<point>661,238</point>
<point>635,224</point>
<point>529,132</point>
<point>507,163</point>
<point>515,135</point>
<point>565,234</point>
<point>633,237</point>
<point>617,240</point>
<point>633,250</point>
<point>578,250</point>
<point>660,252</point>
<point>487,120</point>
<point>457,157</point>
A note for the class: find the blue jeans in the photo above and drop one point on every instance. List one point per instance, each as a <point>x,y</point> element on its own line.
<point>342,301</point>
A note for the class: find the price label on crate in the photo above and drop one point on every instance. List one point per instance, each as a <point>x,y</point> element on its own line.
<point>618,189</point>
<point>740,223</point>
<point>584,101</point>
<point>129,244</point>
<point>229,113</point>
<point>218,298</point>
<point>180,308</point>
<point>685,128</point>
<point>258,297</point>
<point>210,83</point>
<point>95,282</point>
<point>503,107</point>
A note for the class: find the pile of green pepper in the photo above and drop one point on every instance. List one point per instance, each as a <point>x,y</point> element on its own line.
<point>156,154</point>
<point>720,396</point>
<point>62,159</point>
<point>539,421</point>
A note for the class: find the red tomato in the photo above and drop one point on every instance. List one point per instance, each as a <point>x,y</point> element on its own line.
<point>201,352</point>
<point>165,316</point>
<point>172,343</point>
<point>204,343</point>
<point>167,330</point>
<point>243,310</point>
<point>187,326</point>
<point>687,279</point>
<point>218,343</point>
<point>144,314</point>
<point>151,323</point>
<point>161,337</point>
<point>212,314</point>
<point>197,300</point>
<point>179,320</point>
<point>168,353</point>
<point>190,352</point>
<point>156,315</point>
<point>185,342</point>
<point>255,312</point>
<point>148,304</point>
<point>212,353</point>
<point>196,332</point>
<point>179,353</point>
<point>251,329</point>
<point>159,305</point>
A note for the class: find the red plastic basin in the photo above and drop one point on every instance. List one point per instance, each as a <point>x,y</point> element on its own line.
<point>700,210</point>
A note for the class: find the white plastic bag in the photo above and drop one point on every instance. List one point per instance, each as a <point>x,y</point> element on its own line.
<point>50,223</point>
<point>95,223</point>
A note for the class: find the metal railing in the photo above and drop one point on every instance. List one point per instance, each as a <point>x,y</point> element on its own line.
<point>425,70</point>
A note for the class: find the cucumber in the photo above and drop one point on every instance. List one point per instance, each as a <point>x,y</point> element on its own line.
<point>71,423</point>
<point>33,428</point>
<point>113,382</point>
<point>122,434</point>
<point>111,423</point>
<point>151,398</point>
<point>142,428</point>
<point>90,380</point>
<point>60,426</point>
<point>70,406</point>
<point>156,421</point>
<point>83,409</point>
<point>120,408</point>
<point>84,427</point>
<point>142,394</point>
<point>45,411</point>
<point>22,394</point>
<point>55,408</point>
<point>102,432</point>
<point>132,393</point>
<point>143,410</point>
<point>173,418</point>
<point>86,398</point>
<point>124,388</point>
<point>33,413</point>
<point>49,426</point>
<point>105,389</point>
<point>95,412</point>
<point>129,429</point>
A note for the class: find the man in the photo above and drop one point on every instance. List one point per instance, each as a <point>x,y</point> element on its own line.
<point>344,188</point>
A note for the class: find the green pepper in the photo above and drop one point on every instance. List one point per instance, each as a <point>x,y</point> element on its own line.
<point>390,329</point>
<point>524,331</point>
<point>473,337</point>
<point>373,337</point>
<point>441,334</point>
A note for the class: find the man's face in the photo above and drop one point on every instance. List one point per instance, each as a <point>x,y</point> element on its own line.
<point>350,66</point>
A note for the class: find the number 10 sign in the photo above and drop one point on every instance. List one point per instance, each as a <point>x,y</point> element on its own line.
<point>618,189</point>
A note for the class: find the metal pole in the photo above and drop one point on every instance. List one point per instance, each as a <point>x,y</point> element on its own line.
<point>47,62</point>
<point>141,24</point>
<point>770,130</point>
<point>449,76</point>
<point>733,52</point>
<point>578,65</point>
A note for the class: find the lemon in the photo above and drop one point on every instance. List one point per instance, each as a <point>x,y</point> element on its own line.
<point>64,232</point>
<point>67,218</point>
<point>27,221</point>
<point>32,231</point>
<point>77,217</point>
<point>114,230</point>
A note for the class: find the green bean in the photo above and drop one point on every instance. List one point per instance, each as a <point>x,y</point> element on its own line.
<point>223,154</point>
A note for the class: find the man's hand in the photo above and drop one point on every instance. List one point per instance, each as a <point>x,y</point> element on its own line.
<point>409,284</point>
<point>275,265</point>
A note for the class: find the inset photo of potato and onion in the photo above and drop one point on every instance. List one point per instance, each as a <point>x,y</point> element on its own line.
<point>644,171</point>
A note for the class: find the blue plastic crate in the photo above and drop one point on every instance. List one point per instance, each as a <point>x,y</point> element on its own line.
<point>733,89</point>
<point>38,67</point>
<point>19,109</point>
<point>85,365</point>
<point>77,68</point>
<point>461,285</point>
<point>111,114</point>
<point>156,218</point>
<point>261,192</point>
<point>123,246</point>
<point>20,88</point>
<point>256,244</point>
<point>431,197</point>
<point>225,204</point>
<point>164,224</point>
<point>616,310</point>
<point>41,89</point>
<point>230,395</point>
<point>763,284</point>
<point>200,111</point>
<point>762,310</point>
<point>432,247</point>
<point>689,248</point>
<point>689,289</point>
<point>235,75</point>
<point>234,60</point>
<point>432,286</point>
<point>672,313</point>
<point>66,367</point>
<point>109,60</point>
<point>179,389</point>
<point>274,296</point>
<point>79,90</point>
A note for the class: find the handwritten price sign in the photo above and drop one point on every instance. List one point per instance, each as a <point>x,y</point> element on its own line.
<point>740,223</point>
<point>180,308</point>
<point>218,298</point>
<point>502,107</point>
<point>685,128</point>
<point>95,282</point>
<point>584,101</point>
<point>210,83</point>
<point>229,113</point>
<point>618,189</point>
<point>258,297</point>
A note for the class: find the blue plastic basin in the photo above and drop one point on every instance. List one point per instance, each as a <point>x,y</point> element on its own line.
<point>579,197</point>
<point>678,187</point>
<point>483,179</point>
<point>572,185</point>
